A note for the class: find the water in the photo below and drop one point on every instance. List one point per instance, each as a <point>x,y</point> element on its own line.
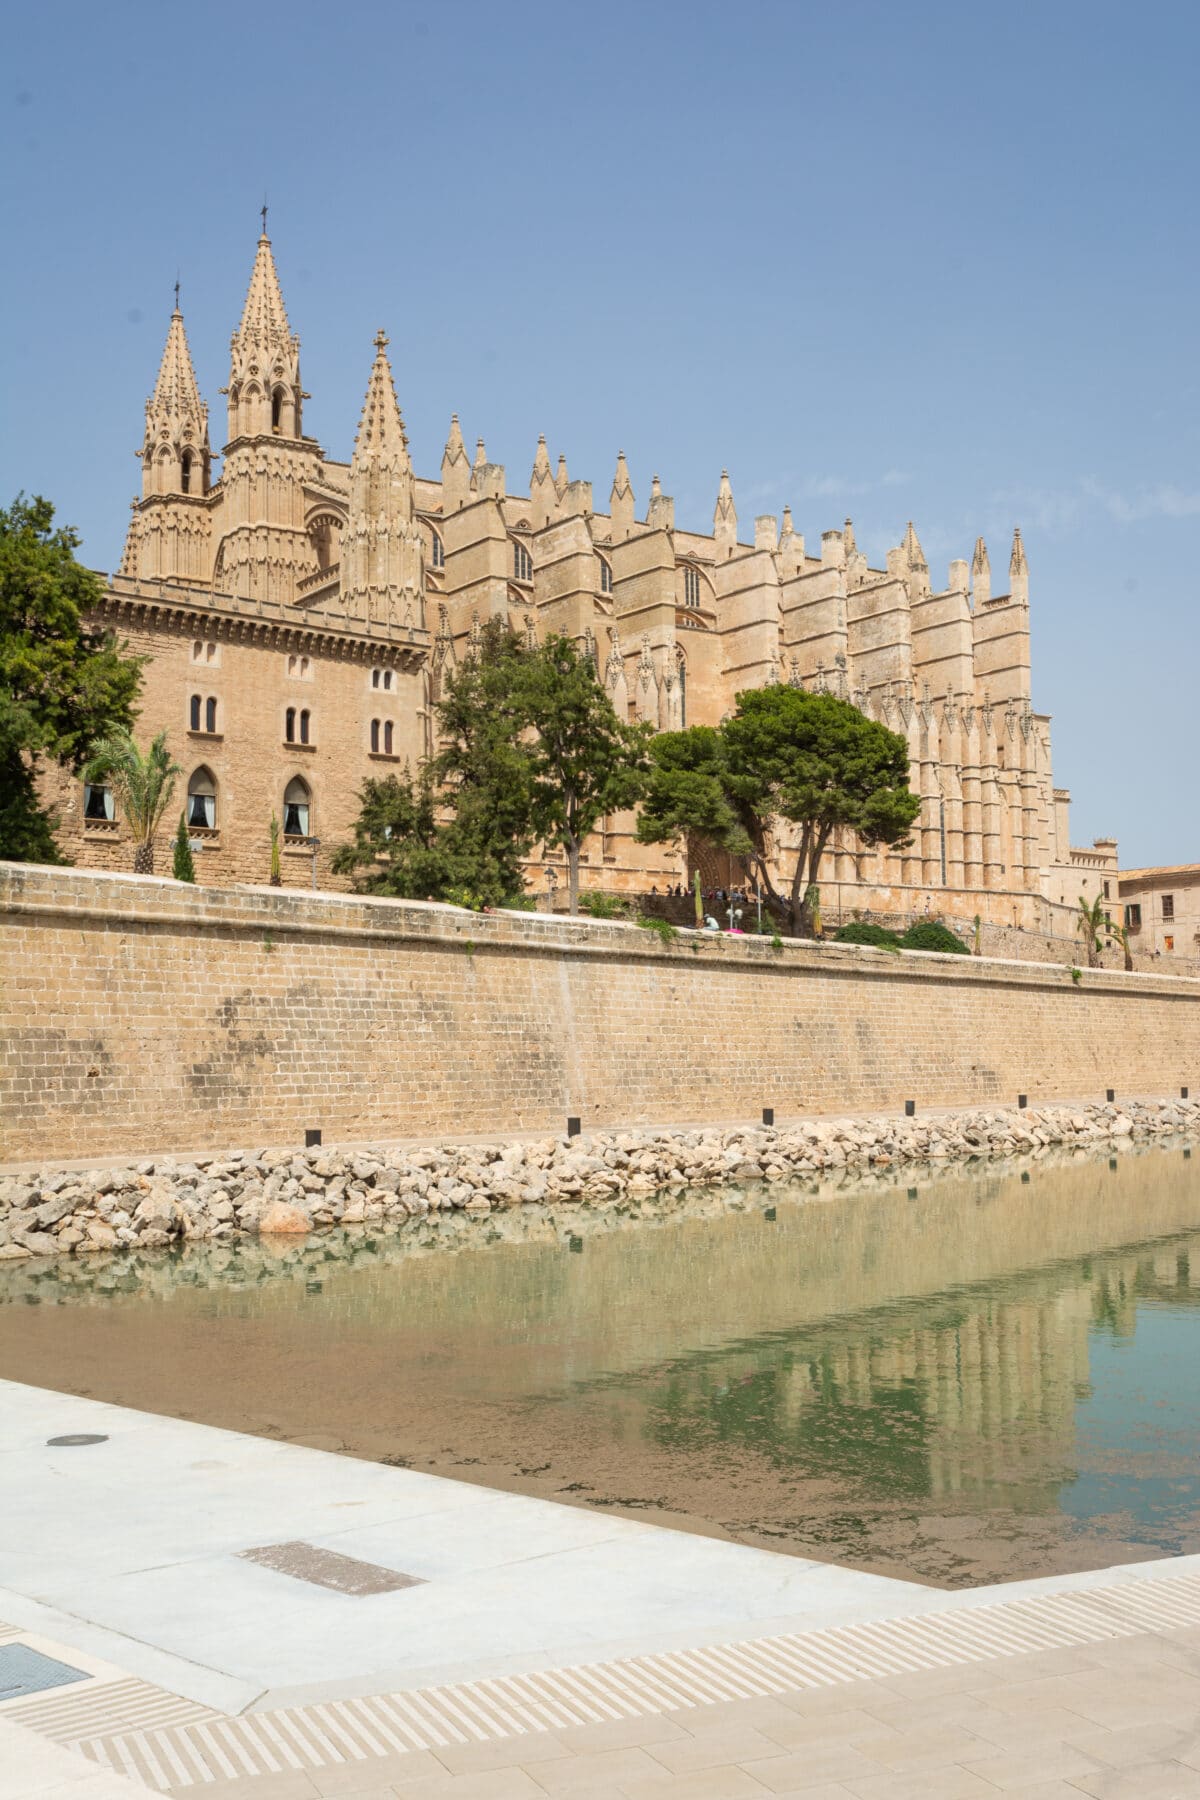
<point>957,1376</point>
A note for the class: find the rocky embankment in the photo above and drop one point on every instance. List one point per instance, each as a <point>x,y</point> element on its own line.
<point>164,1199</point>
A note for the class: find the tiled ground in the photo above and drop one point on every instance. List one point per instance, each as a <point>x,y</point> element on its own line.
<point>1118,1721</point>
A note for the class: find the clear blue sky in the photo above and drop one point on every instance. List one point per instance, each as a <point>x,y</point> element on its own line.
<point>894,260</point>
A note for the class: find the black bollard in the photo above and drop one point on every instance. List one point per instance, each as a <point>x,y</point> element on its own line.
<point>1022,1101</point>
<point>1110,1095</point>
<point>1183,1093</point>
<point>311,1138</point>
<point>910,1109</point>
<point>573,1126</point>
<point>768,1115</point>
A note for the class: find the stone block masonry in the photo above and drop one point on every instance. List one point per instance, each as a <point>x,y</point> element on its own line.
<point>142,1016</point>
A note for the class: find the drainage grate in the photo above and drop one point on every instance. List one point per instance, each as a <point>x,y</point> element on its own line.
<point>26,1671</point>
<point>74,1438</point>
<point>329,1569</point>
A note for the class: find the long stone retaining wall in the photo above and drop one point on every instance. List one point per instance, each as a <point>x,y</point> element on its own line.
<point>140,1015</point>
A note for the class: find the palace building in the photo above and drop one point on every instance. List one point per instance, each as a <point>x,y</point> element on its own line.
<point>298,614</point>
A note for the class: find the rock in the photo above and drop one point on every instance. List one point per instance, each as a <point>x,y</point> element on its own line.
<point>278,1219</point>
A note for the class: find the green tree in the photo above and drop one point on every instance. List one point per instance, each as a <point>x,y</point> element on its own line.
<point>409,845</point>
<point>1121,934</point>
<point>62,682</point>
<point>1091,924</point>
<point>584,761</point>
<point>143,786</point>
<point>182,866</point>
<point>810,759</point>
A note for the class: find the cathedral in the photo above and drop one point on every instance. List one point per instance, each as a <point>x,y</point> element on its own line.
<point>298,614</point>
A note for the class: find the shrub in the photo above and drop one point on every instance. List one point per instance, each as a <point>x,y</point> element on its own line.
<point>664,929</point>
<point>860,932</point>
<point>603,906</point>
<point>928,934</point>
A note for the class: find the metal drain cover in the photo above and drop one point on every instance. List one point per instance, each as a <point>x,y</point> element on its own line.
<point>26,1671</point>
<point>329,1569</point>
<point>80,1437</point>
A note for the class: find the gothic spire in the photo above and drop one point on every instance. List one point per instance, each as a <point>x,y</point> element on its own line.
<point>265,395</point>
<point>725,517</point>
<point>264,316</point>
<point>1018,570</point>
<point>456,470</point>
<point>542,495</point>
<point>381,432</point>
<point>621,500</point>
<point>382,559</point>
<point>175,451</point>
<point>981,575</point>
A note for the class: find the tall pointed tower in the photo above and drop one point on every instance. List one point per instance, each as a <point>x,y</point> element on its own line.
<point>383,567</point>
<point>176,458</point>
<point>168,536</point>
<point>266,551</point>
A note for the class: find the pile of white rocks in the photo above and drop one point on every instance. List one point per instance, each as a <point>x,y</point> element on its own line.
<point>161,1200</point>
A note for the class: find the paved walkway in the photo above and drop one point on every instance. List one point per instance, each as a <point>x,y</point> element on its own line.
<point>398,1633</point>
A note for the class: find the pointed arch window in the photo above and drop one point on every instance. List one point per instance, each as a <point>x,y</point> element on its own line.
<point>691,587</point>
<point>437,553</point>
<point>681,677</point>
<point>606,576</point>
<point>276,409</point>
<point>289,725</point>
<point>297,808</point>
<point>387,737</point>
<point>522,563</point>
<point>210,714</point>
<point>375,737</point>
<point>305,717</point>
<point>194,714</point>
<point>185,472</point>
<point>202,801</point>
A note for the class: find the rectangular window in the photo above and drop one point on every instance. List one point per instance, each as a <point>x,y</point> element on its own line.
<point>1106,890</point>
<point>1168,901</point>
<point>98,802</point>
<point>1133,917</point>
<point>1168,943</point>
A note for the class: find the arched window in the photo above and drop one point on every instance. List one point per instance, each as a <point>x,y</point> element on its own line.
<point>522,563</point>
<point>691,587</point>
<point>210,714</point>
<point>304,717</point>
<point>185,472</point>
<point>376,674</point>
<point>194,715</point>
<point>605,577</point>
<point>437,555</point>
<point>276,408</point>
<point>202,801</point>
<point>387,679</point>
<point>681,674</point>
<point>387,738</point>
<point>297,803</point>
<point>375,737</point>
<point>289,725</point>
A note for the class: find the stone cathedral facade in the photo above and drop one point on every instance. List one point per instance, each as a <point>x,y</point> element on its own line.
<point>298,613</point>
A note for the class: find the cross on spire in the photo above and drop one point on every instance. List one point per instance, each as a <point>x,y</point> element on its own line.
<point>264,216</point>
<point>177,293</point>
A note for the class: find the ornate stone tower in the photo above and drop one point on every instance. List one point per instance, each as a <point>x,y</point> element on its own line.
<point>383,559</point>
<point>265,549</point>
<point>169,533</point>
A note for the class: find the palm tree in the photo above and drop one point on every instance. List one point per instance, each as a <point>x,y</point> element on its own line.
<point>1121,933</point>
<point>142,784</point>
<point>1091,925</point>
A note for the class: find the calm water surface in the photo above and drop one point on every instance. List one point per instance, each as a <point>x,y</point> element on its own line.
<point>954,1376</point>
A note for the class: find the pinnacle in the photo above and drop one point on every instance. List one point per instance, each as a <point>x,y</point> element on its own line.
<point>176,393</point>
<point>912,545</point>
<point>264,316</point>
<point>381,428</point>
<point>455,447</point>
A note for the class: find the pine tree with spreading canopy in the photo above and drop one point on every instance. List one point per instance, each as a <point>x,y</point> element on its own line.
<point>811,760</point>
